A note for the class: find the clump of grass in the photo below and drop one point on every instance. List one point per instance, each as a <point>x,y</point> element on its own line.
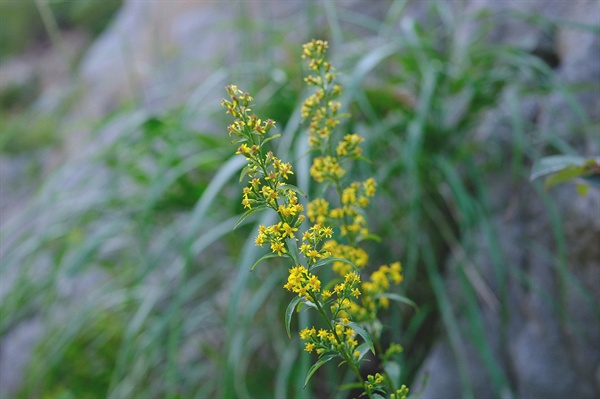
<point>425,117</point>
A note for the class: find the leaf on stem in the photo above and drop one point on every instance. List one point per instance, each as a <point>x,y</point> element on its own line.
<point>362,349</point>
<point>271,138</point>
<point>398,298</point>
<point>292,187</point>
<point>288,314</point>
<point>553,164</point>
<point>248,213</point>
<point>316,366</point>
<point>364,334</point>
<point>293,248</point>
<point>326,261</point>
<point>243,172</point>
<point>267,256</point>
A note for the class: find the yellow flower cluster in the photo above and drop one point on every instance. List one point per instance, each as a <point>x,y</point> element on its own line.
<point>322,106</point>
<point>318,210</point>
<point>344,291</point>
<point>401,393</point>
<point>393,349</point>
<point>275,235</point>
<point>341,338</point>
<point>268,174</point>
<point>302,282</point>
<point>374,381</point>
<point>326,169</point>
<point>351,300</point>
<point>349,146</point>
<point>348,217</point>
<point>311,241</point>
<point>354,254</point>
<point>378,284</point>
<point>314,52</point>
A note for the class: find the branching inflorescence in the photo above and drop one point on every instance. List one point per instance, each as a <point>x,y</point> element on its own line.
<point>348,305</point>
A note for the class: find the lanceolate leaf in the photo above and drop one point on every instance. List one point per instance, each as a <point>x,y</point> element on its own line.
<point>353,385</point>
<point>392,369</point>
<point>563,168</point>
<point>398,298</point>
<point>248,213</point>
<point>289,312</point>
<point>267,256</point>
<point>362,349</point>
<point>243,172</point>
<point>276,136</point>
<point>292,187</point>
<point>326,261</point>
<point>316,366</point>
<point>364,334</point>
<point>564,175</point>
<point>553,164</point>
<point>293,248</point>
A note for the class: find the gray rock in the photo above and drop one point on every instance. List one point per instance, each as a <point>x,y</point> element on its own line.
<point>553,336</point>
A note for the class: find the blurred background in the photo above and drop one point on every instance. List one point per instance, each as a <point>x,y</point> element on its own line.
<point>121,275</point>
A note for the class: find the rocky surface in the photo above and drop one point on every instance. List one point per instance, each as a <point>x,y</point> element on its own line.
<point>552,347</point>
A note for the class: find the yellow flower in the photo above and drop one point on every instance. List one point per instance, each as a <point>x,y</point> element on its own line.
<point>326,169</point>
<point>305,334</point>
<point>288,231</point>
<point>369,186</point>
<point>278,247</point>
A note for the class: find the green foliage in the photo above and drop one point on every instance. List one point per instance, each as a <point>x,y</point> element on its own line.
<point>18,96</point>
<point>22,26</point>
<point>28,131</point>
<point>83,368</point>
<point>559,169</point>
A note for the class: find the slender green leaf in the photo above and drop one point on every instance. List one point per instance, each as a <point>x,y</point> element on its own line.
<point>288,313</point>
<point>398,298</point>
<point>296,189</point>
<point>316,366</point>
<point>373,237</point>
<point>362,349</point>
<point>276,136</point>
<point>293,247</point>
<point>326,261</point>
<point>248,213</point>
<point>553,164</point>
<point>564,175</point>
<point>264,257</point>
<point>310,304</point>
<point>243,172</point>
<point>392,369</point>
<point>364,334</point>
<point>352,385</point>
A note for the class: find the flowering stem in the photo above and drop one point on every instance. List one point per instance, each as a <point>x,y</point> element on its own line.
<point>343,352</point>
<point>351,237</point>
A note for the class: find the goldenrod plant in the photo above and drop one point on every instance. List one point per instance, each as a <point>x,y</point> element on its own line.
<point>326,232</point>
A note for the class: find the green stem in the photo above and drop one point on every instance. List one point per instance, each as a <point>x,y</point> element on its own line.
<point>346,356</point>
